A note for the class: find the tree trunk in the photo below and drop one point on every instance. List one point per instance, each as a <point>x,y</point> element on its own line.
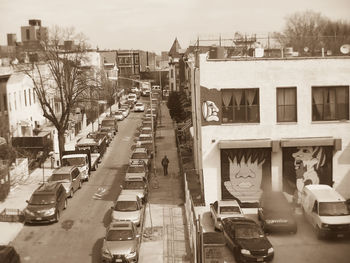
<point>61,142</point>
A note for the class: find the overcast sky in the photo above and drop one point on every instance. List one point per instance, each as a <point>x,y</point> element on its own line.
<point>153,24</point>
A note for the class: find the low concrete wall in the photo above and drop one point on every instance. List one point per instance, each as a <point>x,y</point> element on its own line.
<point>19,170</point>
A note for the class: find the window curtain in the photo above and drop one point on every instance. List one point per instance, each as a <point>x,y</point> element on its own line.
<point>331,99</point>
<point>250,96</point>
<point>317,95</point>
<point>237,95</point>
<point>226,97</point>
<point>289,102</point>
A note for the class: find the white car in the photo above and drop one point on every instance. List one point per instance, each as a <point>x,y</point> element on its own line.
<point>119,115</point>
<point>132,97</point>
<point>125,111</point>
<point>139,107</point>
<point>222,209</point>
<point>127,207</point>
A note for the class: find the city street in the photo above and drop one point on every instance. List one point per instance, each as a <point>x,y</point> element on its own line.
<point>78,236</point>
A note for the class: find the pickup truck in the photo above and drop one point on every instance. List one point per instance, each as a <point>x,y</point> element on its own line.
<point>82,159</point>
<point>93,146</point>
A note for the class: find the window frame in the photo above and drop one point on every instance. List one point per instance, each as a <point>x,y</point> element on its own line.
<point>324,105</point>
<point>284,105</point>
<point>245,106</point>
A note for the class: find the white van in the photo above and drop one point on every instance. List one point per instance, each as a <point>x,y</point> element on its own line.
<point>326,210</point>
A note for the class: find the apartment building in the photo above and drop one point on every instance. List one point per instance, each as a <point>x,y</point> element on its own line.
<point>271,124</point>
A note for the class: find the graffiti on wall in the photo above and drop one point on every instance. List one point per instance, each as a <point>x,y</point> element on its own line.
<point>210,111</point>
<point>210,106</point>
<point>242,173</point>
<point>306,165</point>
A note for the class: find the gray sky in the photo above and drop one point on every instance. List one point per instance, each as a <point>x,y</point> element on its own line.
<point>153,24</point>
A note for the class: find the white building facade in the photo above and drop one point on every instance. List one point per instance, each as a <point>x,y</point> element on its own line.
<point>273,124</point>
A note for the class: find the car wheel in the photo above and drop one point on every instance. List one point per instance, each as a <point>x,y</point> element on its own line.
<point>71,193</point>
<point>65,203</point>
<point>79,184</point>
<point>57,217</point>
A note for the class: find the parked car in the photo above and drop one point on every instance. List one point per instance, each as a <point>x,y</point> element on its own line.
<point>109,125</point>
<point>46,203</point>
<point>69,176</point>
<point>136,184</point>
<point>127,207</point>
<point>146,130</point>
<point>141,154</point>
<point>122,242</point>
<point>119,115</point>
<point>326,210</point>
<point>125,111</point>
<point>137,168</point>
<point>145,138</point>
<point>132,98</point>
<point>101,135</point>
<point>222,209</point>
<point>276,213</point>
<point>247,240</point>
<point>139,107</point>
<point>8,254</point>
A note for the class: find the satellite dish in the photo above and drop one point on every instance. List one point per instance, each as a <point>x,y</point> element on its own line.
<point>306,49</point>
<point>345,49</point>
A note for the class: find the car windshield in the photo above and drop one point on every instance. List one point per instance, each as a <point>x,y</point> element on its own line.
<point>107,123</point>
<point>136,169</point>
<point>139,156</point>
<point>73,161</point>
<point>145,138</point>
<point>133,185</point>
<point>247,232</point>
<point>42,199</point>
<point>119,235</point>
<point>126,206</point>
<point>229,210</point>
<point>60,177</point>
<point>139,104</point>
<point>333,209</point>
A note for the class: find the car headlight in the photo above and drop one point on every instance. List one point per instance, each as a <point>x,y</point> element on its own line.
<point>245,251</point>
<point>106,253</point>
<point>50,211</point>
<point>131,254</point>
<point>270,250</point>
<point>26,211</point>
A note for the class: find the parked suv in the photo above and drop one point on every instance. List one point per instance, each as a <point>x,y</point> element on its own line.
<point>8,254</point>
<point>69,176</point>
<point>46,203</point>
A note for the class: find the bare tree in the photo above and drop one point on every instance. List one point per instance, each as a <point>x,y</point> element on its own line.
<point>303,29</point>
<point>61,77</point>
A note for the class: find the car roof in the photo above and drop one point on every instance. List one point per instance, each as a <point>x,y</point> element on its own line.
<point>63,169</point>
<point>239,220</point>
<point>108,118</point>
<point>120,225</point>
<point>73,155</point>
<point>48,187</point>
<point>87,141</point>
<point>324,193</point>
<point>140,150</point>
<point>228,203</point>
<point>126,197</point>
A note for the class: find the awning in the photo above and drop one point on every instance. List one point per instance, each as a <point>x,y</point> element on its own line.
<point>258,143</point>
<point>311,141</point>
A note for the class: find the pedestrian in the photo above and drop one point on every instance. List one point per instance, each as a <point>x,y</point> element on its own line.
<point>165,162</point>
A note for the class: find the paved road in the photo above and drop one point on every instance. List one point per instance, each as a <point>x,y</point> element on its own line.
<point>79,234</point>
<point>303,247</point>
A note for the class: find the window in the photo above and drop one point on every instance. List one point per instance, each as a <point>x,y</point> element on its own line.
<point>330,103</point>
<point>5,101</point>
<point>240,105</point>
<point>25,97</point>
<point>30,97</point>
<point>10,108</point>
<point>28,34</point>
<point>33,96</point>
<point>171,73</point>
<point>286,104</point>
<point>14,96</point>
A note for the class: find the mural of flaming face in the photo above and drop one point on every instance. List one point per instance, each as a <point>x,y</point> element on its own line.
<point>245,178</point>
<point>306,160</point>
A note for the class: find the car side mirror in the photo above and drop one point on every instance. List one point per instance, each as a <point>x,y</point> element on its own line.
<point>138,236</point>
<point>121,186</point>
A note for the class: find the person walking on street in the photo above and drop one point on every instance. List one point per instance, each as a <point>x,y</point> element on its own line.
<point>165,162</point>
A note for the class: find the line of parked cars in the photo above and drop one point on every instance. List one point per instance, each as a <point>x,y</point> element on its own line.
<point>48,201</point>
<point>122,240</point>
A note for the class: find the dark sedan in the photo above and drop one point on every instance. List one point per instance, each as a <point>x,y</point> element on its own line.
<point>247,240</point>
<point>276,213</point>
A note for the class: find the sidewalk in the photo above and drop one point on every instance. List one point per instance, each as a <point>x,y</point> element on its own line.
<point>23,188</point>
<point>165,237</point>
